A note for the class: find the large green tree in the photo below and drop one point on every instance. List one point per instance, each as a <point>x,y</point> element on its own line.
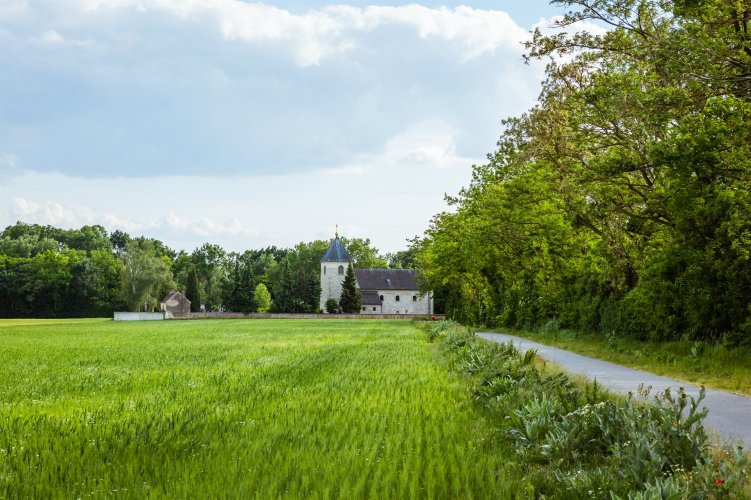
<point>145,276</point>
<point>621,202</point>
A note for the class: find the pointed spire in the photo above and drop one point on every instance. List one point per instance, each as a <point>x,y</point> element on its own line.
<point>336,252</point>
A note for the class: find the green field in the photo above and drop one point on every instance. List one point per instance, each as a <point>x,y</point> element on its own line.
<point>237,408</point>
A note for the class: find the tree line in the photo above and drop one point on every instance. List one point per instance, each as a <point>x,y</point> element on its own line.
<point>621,202</point>
<point>51,272</point>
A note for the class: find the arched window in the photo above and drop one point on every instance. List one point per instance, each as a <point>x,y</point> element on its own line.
<point>341,270</point>
<point>397,298</point>
<point>324,269</point>
<point>414,298</point>
<point>381,298</point>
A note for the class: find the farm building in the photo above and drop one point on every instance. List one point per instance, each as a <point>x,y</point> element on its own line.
<point>383,291</point>
<point>175,305</point>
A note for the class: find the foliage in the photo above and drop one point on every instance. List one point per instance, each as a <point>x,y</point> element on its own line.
<point>350,301</point>
<point>146,277</point>
<point>191,290</point>
<point>241,296</point>
<point>403,259</point>
<point>332,306</point>
<point>622,201</point>
<point>262,297</point>
<point>294,292</point>
<point>581,443</point>
<point>363,253</point>
<point>260,408</point>
<point>51,272</point>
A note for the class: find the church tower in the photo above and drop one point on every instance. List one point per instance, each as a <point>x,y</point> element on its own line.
<point>333,266</point>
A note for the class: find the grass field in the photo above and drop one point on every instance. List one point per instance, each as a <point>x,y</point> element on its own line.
<point>698,363</point>
<point>238,408</point>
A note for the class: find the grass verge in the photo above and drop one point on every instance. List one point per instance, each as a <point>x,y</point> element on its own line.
<point>578,441</point>
<point>698,363</point>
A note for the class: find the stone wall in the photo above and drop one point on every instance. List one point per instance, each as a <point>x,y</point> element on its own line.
<point>227,315</point>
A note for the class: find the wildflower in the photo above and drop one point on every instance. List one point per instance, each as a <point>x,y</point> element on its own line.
<point>719,481</point>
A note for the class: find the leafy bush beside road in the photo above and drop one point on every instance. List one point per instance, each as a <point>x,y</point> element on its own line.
<point>576,440</point>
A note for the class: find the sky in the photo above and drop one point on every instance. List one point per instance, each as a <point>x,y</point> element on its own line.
<point>250,124</point>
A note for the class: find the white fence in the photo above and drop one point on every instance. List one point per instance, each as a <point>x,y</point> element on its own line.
<point>139,316</point>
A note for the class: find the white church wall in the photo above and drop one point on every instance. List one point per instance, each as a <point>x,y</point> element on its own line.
<point>406,303</point>
<point>331,282</point>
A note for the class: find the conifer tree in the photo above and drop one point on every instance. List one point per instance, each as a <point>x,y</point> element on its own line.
<point>241,296</point>
<point>191,290</point>
<point>246,290</point>
<point>350,300</point>
<point>284,291</point>
<point>313,293</point>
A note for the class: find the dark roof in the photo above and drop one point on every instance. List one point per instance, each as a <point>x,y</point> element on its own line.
<point>336,252</point>
<point>386,279</point>
<point>370,298</point>
<point>170,295</point>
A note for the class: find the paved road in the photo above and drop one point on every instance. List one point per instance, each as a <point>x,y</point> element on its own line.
<point>729,414</point>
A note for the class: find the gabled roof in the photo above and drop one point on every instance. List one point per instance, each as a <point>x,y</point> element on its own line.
<point>386,279</point>
<point>336,252</point>
<point>174,295</point>
<point>370,298</point>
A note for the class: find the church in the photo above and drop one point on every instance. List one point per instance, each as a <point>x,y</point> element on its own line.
<point>383,291</point>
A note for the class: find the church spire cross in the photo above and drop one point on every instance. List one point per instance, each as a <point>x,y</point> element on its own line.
<point>337,231</point>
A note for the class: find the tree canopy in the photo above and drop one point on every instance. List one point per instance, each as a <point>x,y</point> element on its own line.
<point>51,272</point>
<point>620,202</point>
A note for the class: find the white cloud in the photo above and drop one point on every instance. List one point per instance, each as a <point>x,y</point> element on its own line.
<point>318,34</point>
<point>114,222</point>
<point>175,222</point>
<point>428,142</point>
<point>52,36</point>
<point>387,196</point>
<point>207,227</point>
<point>74,216</point>
<point>50,213</point>
<point>477,31</point>
<point>24,207</point>
<point>58,214</point>
<point>10,9</point>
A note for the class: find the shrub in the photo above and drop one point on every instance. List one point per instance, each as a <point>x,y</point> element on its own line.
<point>590,443</point>
<point>332,306</point>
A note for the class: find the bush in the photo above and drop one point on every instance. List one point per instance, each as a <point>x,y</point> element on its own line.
<point>332,306</point>
<point>582,442</point>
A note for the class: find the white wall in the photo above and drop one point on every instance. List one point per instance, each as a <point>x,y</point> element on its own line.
<point>405,305</point>
<point>139,316</point>
<point>331,282</point>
